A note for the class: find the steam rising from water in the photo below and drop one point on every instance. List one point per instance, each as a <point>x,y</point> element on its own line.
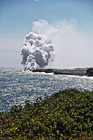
<point>74,48</point>
<point>37,51</point>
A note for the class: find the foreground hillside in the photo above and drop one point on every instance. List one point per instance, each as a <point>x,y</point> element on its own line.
<point>65,115</point>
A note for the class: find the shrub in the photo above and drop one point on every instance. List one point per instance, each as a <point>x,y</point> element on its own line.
<point>66,115</point>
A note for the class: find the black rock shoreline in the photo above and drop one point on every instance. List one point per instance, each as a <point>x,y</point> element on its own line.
<point>76,71</point>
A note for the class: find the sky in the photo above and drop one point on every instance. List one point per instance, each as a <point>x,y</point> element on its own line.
<point>17,18</point>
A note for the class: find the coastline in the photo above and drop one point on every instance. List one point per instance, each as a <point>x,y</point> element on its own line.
<point>76,71</point>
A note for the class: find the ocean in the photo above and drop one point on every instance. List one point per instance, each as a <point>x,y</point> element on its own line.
<point>16,86</point>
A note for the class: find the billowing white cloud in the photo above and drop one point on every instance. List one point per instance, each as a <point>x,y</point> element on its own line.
<point>74,48</point>
<point>37,51</point>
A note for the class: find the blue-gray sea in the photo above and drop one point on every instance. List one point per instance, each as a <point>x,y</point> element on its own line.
<point>16,86</point>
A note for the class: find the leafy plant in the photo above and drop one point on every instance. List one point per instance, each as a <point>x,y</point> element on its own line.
<point>66,115</point>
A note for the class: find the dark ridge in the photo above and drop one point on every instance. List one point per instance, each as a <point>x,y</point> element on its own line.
<point>76,71</point>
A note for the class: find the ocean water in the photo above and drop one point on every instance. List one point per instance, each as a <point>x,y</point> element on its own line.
<point>16,86</point>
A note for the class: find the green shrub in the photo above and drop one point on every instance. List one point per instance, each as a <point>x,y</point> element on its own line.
<point>66,115</point>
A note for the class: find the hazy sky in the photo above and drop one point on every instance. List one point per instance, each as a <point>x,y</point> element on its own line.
<point>17,17</point>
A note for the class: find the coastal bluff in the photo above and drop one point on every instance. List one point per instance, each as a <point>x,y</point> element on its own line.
<point>76,71</point>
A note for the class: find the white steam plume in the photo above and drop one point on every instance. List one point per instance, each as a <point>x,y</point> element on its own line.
<point>37,51</point>
<point>74,48</point>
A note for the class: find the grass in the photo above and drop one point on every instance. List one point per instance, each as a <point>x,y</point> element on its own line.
<point>66,115</point>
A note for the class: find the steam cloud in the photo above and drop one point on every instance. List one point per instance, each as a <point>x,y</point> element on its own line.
<point>74,47</point>
<point>37,51</point>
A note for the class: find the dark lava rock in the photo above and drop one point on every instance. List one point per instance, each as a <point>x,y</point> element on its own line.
<point>77,71</point>
<point>89,72</point>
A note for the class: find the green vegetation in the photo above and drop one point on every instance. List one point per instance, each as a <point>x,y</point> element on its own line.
<point>66,115</point>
